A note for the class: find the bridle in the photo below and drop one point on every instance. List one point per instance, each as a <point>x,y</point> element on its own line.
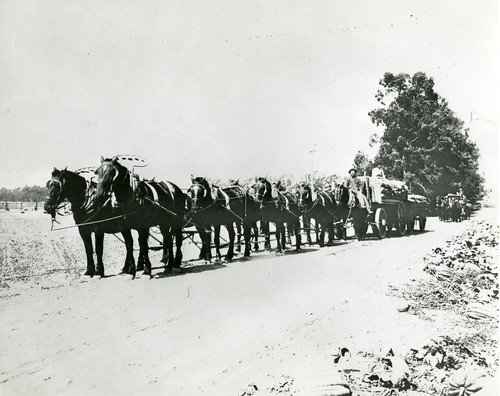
<point>50,185</point>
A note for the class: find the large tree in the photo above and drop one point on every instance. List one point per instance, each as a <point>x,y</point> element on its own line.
<point>423,142</point>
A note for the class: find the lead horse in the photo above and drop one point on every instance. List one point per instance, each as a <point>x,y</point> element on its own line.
<point>278,207</point>
<point>144,204</point>
<point>65,184</point>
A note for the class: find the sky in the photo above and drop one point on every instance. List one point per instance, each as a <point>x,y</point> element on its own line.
<point>230,89</point>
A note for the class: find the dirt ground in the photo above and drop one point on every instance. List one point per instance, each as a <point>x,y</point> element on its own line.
<point>287,324</point>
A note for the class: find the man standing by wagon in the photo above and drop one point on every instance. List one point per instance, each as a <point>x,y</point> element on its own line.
<point>355,185</point>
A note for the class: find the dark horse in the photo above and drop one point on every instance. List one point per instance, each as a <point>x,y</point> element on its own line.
<point>239,225</point>
<point>322,209</point>
<point>349,210</point>
<point>65,184</point>
<point>278,207</point>
<point>144,204</point>
<point>213,206</point>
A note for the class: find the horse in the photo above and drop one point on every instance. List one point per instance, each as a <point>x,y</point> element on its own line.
<point>144,204</point>
<point>65,184</point>
<point>239,225</point>
<point>322,209</point>
<point>278,207</point>
<point>349,212</point>
<point>214,206</point>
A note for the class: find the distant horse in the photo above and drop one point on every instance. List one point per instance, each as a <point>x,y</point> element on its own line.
<point>144,204</point>
<point>357,215</point>
<point>213,206</point>
<point>65,184</point>
<point>454,210</point>
<point>322,209</point>
<point>279,208</point>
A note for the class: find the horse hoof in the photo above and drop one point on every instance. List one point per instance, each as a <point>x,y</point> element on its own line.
<point>298,250</point>
<point>89,273</point>
<point>139,268</point>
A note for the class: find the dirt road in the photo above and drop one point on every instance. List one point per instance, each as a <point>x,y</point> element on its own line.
<point>269,322</point>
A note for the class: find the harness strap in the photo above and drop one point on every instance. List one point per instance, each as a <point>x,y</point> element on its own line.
<point>153,191</point>
<point>226,197</point>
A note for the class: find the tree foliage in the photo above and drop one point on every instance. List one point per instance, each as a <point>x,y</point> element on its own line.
<point>24,194</point>
<point>423,142</point>
<point>362,163</point>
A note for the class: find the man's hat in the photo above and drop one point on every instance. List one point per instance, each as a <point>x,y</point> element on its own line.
<point>352,169</point>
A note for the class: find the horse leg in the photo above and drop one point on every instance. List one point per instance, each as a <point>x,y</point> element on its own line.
<point>307,227</point>
<point>230,250</point>
<point>285,235</point>
<point>218,255</point>
<point>330,233</point>
<point>207,235</point>
<point>265,231</point>
<point>320,235</point>
<point>288,234</point>
<point>201,234</point>
<point>256,233</point>
<point>99,248</point>
<point>247,235</point>
<point>238,226</point>
<point>178,246</point>
<point>140,263</point>
<point>129,243</point>
<point>298,236</point>
<point>168,247</point>
<point>280,229</point>
<point>144,249</point>
<point>89,251</point>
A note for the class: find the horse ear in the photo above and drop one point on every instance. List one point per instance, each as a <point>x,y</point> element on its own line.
<point>65,169</point>
<point>114,160</point>
<point>192,178</point>
<point>102,159</point>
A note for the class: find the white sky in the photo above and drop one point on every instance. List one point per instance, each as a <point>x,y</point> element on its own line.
<point>229,88</point>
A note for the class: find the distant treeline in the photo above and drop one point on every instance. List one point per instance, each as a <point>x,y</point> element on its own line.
<point>24,194</point>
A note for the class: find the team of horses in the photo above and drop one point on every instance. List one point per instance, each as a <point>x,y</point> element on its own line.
<point>117,201</point>
<point>452,208</point>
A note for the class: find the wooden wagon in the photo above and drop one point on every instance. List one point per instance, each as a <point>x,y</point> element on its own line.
<point>393,208</point>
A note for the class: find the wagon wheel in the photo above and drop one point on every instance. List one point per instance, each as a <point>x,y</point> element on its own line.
<point>380,229</point>
<point>401,220</point>
<point>422,220</point>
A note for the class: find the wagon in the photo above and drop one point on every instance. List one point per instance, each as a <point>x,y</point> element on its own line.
<point>393,208</point>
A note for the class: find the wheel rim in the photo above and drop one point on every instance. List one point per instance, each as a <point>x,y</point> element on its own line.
<point>381,222</point>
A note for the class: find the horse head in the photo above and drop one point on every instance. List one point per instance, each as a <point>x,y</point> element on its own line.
<point>304,195</point>
<point>63,184</point>
<point>341,195</point>
<point>112,177</point>
<point>55,193</point>
<point>261,189</point>
<point>199,193</point>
